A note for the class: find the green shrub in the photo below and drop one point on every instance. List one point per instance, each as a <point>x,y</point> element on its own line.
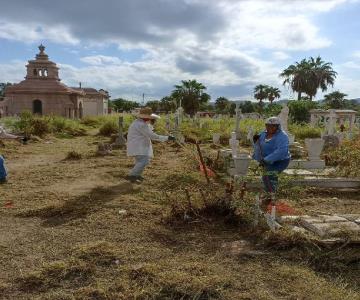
<point>40,126</point>
<point>346,158</point>
<point>299,110</point>
<point>29,124</point>
<point>109,128</point>
<point>91,121</point>
<point>302,131</point>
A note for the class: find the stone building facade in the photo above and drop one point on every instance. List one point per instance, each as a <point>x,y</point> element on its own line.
<point>42,93</point>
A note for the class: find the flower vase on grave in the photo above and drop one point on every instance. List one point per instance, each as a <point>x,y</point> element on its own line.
<point>241,163</point>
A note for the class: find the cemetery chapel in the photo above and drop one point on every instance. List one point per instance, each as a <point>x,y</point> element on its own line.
<point>42,93</point>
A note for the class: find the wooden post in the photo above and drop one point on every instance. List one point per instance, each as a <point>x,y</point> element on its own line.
<point>202,163</point>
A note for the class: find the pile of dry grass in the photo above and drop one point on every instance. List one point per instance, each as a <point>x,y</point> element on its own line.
<point>73,155</point>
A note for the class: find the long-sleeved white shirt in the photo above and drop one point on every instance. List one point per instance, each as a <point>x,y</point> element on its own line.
<point>139,139</point>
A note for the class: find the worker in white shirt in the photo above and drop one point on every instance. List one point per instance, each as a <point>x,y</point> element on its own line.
<point>139,144</point>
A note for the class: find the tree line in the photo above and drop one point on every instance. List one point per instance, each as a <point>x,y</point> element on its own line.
<point>305,78</point>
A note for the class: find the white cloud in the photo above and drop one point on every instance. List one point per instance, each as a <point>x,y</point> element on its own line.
<point>279,55</point>
<point>98,60</point>
<point>32,32</point>
<point>217,42</point>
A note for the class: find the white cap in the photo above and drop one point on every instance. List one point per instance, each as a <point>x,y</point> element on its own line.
<point>155,116</point>
<point>273,121</point>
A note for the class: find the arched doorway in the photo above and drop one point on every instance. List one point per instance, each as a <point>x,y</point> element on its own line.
<point>37,107</point>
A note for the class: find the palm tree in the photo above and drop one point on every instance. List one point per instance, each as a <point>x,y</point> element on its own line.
<point>222,104</point>
<point>308,76</point>
<point>296,76</point>
<point>190,94</point>
<point>335,100</point>
<point>321,76</point>
<point>168,103</point>
<point>260,93</point>
<point>272,93</point>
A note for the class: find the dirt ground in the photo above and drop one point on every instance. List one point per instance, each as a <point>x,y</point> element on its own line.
<point>62,236</point>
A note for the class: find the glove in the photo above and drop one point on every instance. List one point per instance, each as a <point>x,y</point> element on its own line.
<point>171,138</point>
<point>256,138</point>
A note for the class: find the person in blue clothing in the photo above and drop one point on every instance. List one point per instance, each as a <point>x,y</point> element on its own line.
<point>3,172</point>
<point>271,150</point>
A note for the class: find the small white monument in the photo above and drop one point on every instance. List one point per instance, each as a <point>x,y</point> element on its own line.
<point>331,122</point>
<point>314,148</point>
<point>238,117</point>
<point>234,144</point>
<point>250,135</point>
<point>120,141</point>
<point>241,163</point>
<point>284,118</point>
<point>216,138</point>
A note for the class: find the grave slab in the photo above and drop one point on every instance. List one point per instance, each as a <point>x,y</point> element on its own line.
<point>298,172</point>
<point>351,217</point>
<point>307,164</point>
<point>332,219</point>
<point>329,229</point>
<point>288,219</point>
<point>298,229</point>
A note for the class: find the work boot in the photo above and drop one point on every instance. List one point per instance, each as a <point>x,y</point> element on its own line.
<point>133,179</point>
<point>3,180</point>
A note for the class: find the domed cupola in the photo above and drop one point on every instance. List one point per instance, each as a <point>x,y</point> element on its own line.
<point>42,68</point>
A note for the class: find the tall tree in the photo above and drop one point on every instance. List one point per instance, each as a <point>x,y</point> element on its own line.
<point>296,76</point>
<point>124,105</point>
<point>222,105</point>
<point>272,93</point>
<point>155,105</point>
<point>321,76</point>
<point>168,104</point>
<point>308,76</point>
<point>260,93</point>
<point>336,100</point>
<point>190,94</point>
<point>3,86</point>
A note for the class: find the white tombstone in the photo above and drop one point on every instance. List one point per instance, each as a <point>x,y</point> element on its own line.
<point>234,144</point>
<point>238,118</point>
<point>167,122</point>
<point>314,147</point>
<point>241,163</point>
<point>284,118</point>
<point>331,122</point>
<point>120,140</point>
<point>179,114</point>
<point>250,134</point>
<point>216,138</point>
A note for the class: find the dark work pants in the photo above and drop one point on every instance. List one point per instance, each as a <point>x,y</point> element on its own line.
<point>270,178</point>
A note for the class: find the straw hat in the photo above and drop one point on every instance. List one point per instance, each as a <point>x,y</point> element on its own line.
<point>145,113</point>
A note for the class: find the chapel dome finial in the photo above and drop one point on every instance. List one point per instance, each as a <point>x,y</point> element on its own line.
<point>42,48</point>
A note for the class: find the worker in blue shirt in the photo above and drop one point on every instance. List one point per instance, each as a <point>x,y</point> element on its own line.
<point>271,150</point>
<point>3,172</point>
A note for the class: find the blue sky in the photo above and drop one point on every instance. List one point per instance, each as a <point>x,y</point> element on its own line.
<point>130,47</point>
